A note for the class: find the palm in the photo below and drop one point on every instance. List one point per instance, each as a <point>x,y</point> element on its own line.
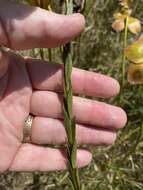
<point>14,108</point>
<point>19,100</point>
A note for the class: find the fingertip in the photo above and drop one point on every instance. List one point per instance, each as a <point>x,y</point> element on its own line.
<point>61,29</point>
<point>84,158</point>
<point>122,118</point>
<point>110,139</point>
<point>118,118</point>
<point>116,88</point>
<point>71,26</point>
<point>80,19</point>
<point>111,87</point>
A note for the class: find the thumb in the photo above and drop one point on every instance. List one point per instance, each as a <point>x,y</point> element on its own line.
<point>25,27</point>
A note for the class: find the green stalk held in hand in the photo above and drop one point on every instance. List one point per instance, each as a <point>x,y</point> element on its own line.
<point>69,120</point>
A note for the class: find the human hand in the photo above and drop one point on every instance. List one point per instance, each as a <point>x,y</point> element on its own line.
<point>33,86</point>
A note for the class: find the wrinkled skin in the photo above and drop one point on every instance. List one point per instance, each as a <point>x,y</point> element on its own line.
<point>27,86</point>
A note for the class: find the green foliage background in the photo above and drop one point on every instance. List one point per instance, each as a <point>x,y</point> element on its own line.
<point>119,167</point>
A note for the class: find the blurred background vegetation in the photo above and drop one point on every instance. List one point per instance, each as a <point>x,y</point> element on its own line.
<point>119,167</point>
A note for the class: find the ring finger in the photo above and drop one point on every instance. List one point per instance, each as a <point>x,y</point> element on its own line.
<point>86,111</point>
<point>52,131</point>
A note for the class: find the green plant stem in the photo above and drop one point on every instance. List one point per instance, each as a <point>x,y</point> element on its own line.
<point>69,120</point>
<point>124,57</point>
<point>41,51</point>
<point>50,54</point>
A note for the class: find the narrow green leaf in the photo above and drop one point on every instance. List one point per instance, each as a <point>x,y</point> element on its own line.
<point>69,120</point>
<point>69,7</point>
<point>74,145</point>
<point>73,154</point>
<point>71,184</point>
<point>67,124</point>
<point>69,102</point>
<point>82,187</point>
<point>73,129</point>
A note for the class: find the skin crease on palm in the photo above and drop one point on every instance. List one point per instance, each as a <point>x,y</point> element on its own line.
<point>26,86</point>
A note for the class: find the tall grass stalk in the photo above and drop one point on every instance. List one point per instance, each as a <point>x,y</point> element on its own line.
<point>69,119</point>
<point>124,57</point>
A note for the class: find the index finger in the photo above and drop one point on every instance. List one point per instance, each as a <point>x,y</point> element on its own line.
<point>48,76</point>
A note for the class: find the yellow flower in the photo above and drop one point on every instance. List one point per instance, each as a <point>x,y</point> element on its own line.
<point>135,74</point>
<point>133,24</point>
<point>134,52</point>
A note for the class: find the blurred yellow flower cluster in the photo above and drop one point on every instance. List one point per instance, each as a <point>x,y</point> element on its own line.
<point>134,52</point>
<point>45,4</point>
<point>133,24</point>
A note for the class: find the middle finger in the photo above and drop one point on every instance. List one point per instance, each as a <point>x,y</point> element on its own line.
<point>86,111</point>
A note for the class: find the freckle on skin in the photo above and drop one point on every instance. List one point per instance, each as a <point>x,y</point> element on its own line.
<point>118,117</point>
<point>113,117</point>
